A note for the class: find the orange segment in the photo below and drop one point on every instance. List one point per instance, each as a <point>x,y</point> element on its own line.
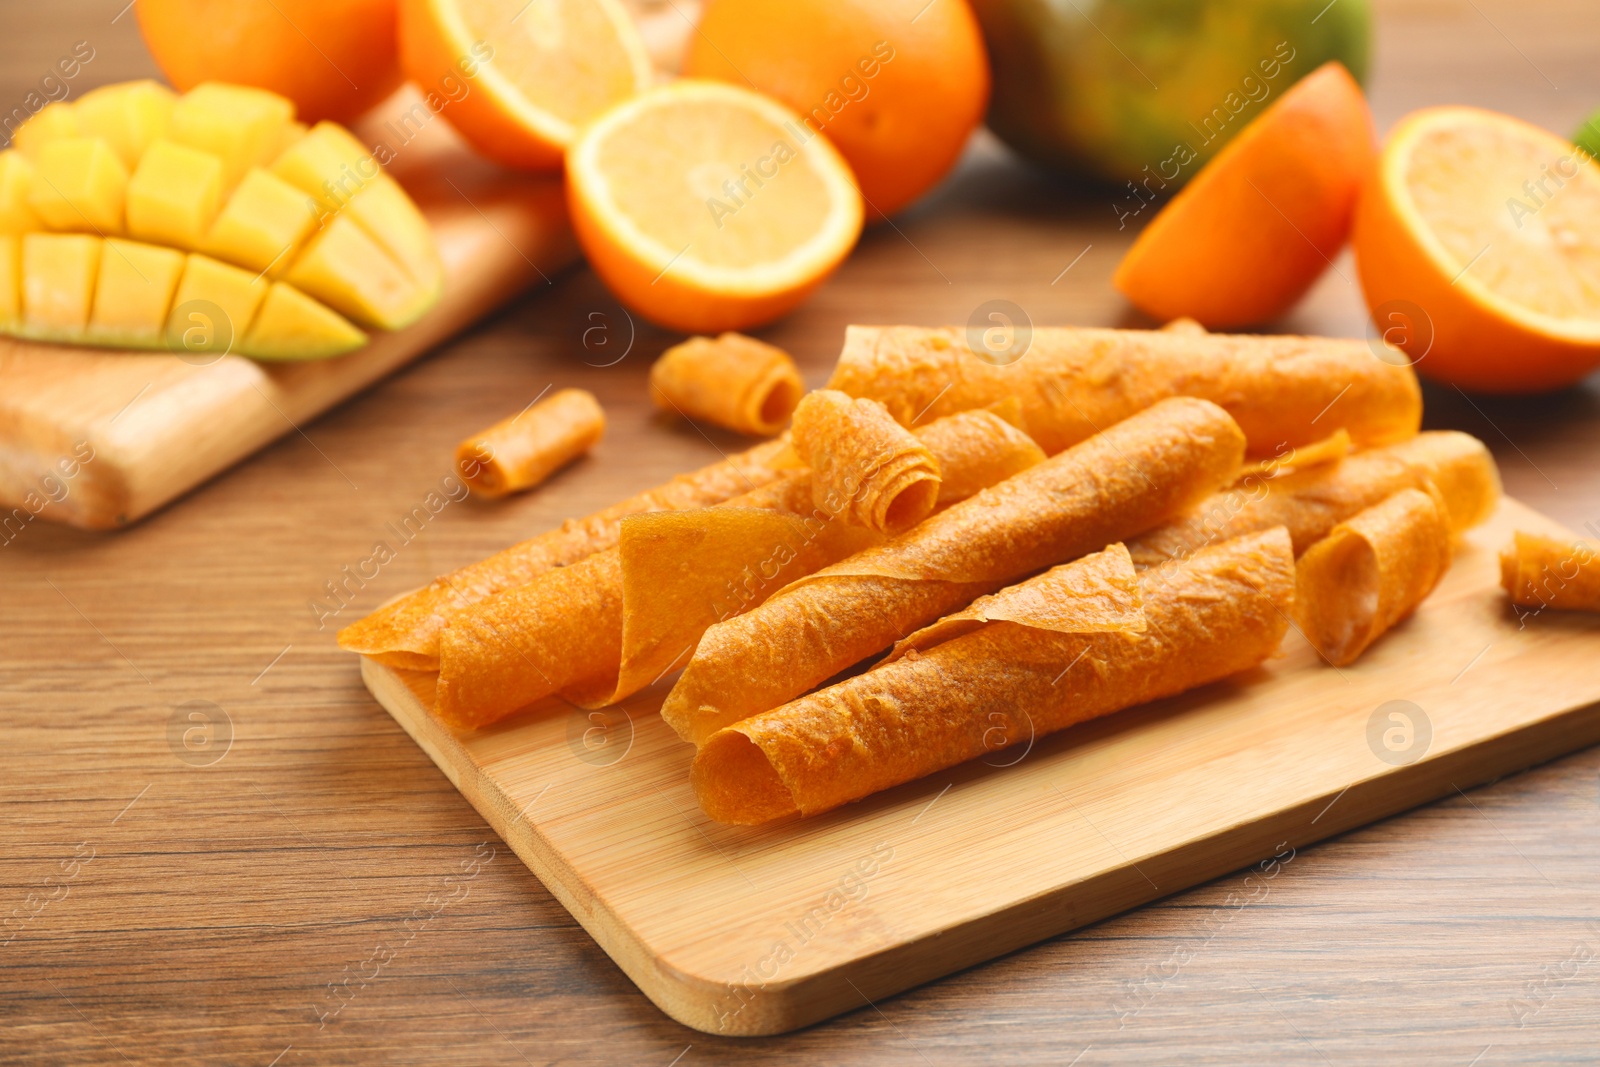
<point>1486,231</point>
<point>538,69</point>
<point>707,207</point>
<point>1259,224</point>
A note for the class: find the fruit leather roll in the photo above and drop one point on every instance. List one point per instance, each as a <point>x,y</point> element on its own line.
<point>524,450</point>
<point>1006,682</point>
<point>865,467</point>
<point>1539,571</point>
<point>1312,501</point>
<point>1074,382</point>
<point>1371,571</point>
<point>1138,473</point>
<point>684,571</point>
<point>1329,449</point>
<point>576,630</point>
<point>405,633</point>
<point>732,380</point>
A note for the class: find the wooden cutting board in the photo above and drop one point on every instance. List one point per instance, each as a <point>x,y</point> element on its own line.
<point>157,425</point>
<point>739,930</point>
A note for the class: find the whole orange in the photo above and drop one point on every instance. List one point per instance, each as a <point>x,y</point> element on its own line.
<point>333,58</point>
<point>896,85</point>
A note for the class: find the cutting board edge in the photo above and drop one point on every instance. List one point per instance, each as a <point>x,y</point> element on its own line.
<point>702,1002</point>
<point>673,994</point>
<point>984,938</point>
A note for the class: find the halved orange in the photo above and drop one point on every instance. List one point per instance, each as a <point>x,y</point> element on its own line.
<point>1488,229</point>
<point>707,207</point>
<point>1259,224</point>
<point>518,78</point>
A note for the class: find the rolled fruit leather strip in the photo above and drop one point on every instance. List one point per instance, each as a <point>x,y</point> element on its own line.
<point>565,631</point>
<point>685,571</point>
<point>1313,501</point>
<point>1003,683</point>
<point>1143,471</point>
<point>405,632</point>
<point>1074,382</point>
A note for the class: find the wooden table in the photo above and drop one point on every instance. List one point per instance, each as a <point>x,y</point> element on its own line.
<point>184,910</point>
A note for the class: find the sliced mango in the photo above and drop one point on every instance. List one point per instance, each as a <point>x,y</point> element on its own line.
<point>239,125</point>
<point>292,326</point>
<point>214,306</point>
<point>52,123</point>
<point>263,223</point>
<point>58,275</point>
<point>79,184</point>
<point>133,293</point>
<point>174,195</point>
<point>351,273</point>
<point>291,133</point>
<point>128,116</point>
<point>80,289</point>
<point>16,178</point>
<point>390,217</point>
<point>329,164</point>
<point>218,199</point>
<point>10,280</point>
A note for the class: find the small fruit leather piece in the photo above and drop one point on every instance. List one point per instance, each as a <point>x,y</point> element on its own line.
<point>865,467</point>
<point>732,380</point>
<point>1540,571</point>
<point>1371,571</point>
<point>522,451</point>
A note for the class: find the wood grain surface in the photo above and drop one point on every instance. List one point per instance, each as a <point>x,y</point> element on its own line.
<point>322,894</point>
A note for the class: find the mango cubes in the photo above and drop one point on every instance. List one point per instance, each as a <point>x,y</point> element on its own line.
<point>211,221</point>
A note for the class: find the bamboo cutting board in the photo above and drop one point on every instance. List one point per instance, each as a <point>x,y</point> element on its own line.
<point>740,930</point>
<point>157,425</point>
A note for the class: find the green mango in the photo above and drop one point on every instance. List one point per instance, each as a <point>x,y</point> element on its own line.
<point>1587,136</point>
<point>1146,91</point>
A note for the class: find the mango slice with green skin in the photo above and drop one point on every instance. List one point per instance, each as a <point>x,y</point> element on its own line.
<point>113,292</point>
<point>352,274</point>
<point>217,197</point>
<point>58,274</point>
<point>132,294</point>
<point>287,317</point>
